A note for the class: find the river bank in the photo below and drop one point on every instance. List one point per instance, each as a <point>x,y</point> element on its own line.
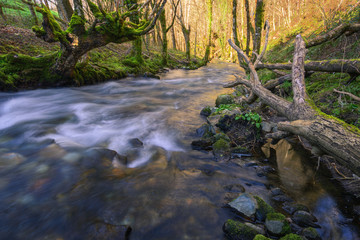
<point>25,61</point>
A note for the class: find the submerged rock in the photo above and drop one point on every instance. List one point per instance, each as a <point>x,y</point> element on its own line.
<point>276,224</point>
<point>10,159</point>
<point>245,204</point>
<point>235,230</point>
<point>291,208</point>
<point>109,232</point>
<point>135,143</point>
<point>202,144</point>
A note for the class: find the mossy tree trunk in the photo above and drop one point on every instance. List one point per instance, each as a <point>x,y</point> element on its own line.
<point>210,19</point>
<point>331,135</point>
<point>259,21</point>
<point>248,26</point>
<point>2,13</point>
<point>164,54</point>
<point>106,28</point>
<point>186,32</point>
<point>135,18</point>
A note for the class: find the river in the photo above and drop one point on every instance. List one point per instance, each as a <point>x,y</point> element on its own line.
<point>58,180</point>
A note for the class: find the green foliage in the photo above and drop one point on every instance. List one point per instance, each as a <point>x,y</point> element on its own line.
<point>252,118</point>
<point>223,107</point>
<point>291,236</point>
<point>261,237</point>
<point>266,75</point>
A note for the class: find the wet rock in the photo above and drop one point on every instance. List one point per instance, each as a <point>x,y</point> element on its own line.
<point>276,224</point>
<point>258,228</point>
<point>135,143</point>
<point>105,231</point>
<point>235,230</point>
<point>206,111</point>
<point>224,99</point>
<point>304,219</point>
<point>10,159</point>
<point>202,144</point>
<point>221,150</point>
<point>42,168</point>
<point>223,136</point>
<point>158,159</point>
<point>264,171</point>
<point>291,208</point>
<point>311,234</point>
<point>150,75</point>
<point>245,204</point>
<point>266,126</point>
<point>276,191</point>
<point>292,236</point>
<point>263,209</point>
<point>238,188</point>
<point>251,164</point>
<point>261,237</point>
<point>52,151</point>
<point>72,157</point>
<point>98,158</point>
<point>281,198</point>
<point>205,131</point>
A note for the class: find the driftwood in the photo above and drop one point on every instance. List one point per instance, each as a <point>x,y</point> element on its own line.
<point>334,34</point>
<point>329,134</point>
<point>351,67</point>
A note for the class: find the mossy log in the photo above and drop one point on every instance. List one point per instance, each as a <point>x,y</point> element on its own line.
<point>334,33</point>
<point>350,66</point>
<point>330,134</point>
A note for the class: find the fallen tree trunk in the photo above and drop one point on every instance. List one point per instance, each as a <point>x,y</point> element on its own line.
<point>330,134</point>
<point>334,34</point>
<point>351,67</point>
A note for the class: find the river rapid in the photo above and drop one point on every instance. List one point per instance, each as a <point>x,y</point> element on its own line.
<point>58,179</point>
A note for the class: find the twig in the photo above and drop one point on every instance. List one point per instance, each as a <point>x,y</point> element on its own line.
<point>349,94</point>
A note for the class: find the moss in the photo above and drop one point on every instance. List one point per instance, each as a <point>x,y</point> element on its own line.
<point>238,230</point>
<point>263,209</point>
<point>279,217</point>
<point>59,34</point>
<point>221,145</point>
<point>261,237</point>
<point>75,23</point>
<point>94,9</point>
<point>291,236</point>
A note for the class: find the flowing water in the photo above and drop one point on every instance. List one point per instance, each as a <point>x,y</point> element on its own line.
<point>59,181</point>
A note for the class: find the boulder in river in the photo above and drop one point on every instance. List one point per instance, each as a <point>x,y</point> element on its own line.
<point>221,149</point>
<point>263,209</point>
<point>236,230</point>
<point>135,143</point>
<point>224,99</point>
<point>245,204</point>
<point>205,131</point>
<point>276,224</point>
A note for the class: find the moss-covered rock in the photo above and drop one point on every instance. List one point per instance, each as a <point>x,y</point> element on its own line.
<point>205,131</point>
<point>235,230</point>
<point>311,234</point>
<point>261,237</point>
<point>221,149</point>
<point>277,224</point>
<point>206,111</point>
<point>263,209</point>
<point>224,99</point>
<point>291,236</point>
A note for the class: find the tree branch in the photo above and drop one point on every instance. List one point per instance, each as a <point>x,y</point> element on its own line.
<point>349,94</point>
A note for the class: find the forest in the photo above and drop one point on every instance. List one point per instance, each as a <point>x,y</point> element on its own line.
<point>180,119</point>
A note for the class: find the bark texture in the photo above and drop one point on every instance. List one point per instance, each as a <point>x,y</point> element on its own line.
<point>210,18</point>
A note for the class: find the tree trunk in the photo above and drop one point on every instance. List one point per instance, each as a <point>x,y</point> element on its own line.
<point>234,28</point>
<point>331,135</point>
<point>334,34</point>
<point>2,14</point>
<point>186,33</point>
<point>259,20</point>
<point>64,9</point>
<point>164,54</point>
<point>248,26</point>
<point>336,65</point>
<point>173,38</point>
<point>210,18</point>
